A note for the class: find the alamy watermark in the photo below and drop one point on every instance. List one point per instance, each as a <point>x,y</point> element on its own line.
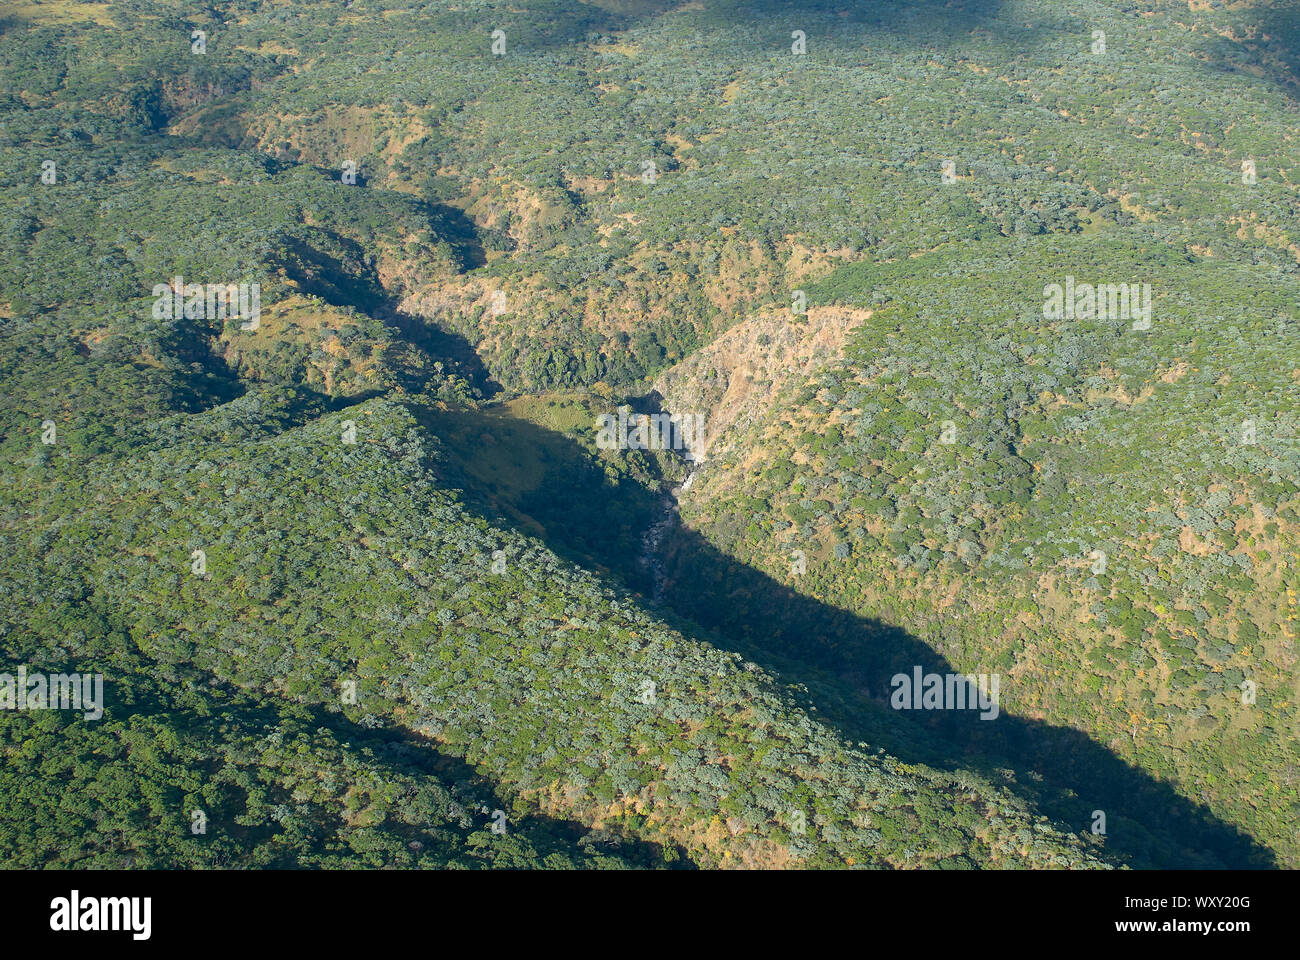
<point>57,691</point>
<point>946,691</point>
<point>650,431</point>
<point>1104,301</point>
<point>211,301</point>
<point>75,913</point>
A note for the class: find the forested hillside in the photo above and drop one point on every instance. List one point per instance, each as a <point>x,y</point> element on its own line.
<point>364,584</point>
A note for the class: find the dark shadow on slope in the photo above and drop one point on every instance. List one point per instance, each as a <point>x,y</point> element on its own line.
<point>844,662</point>
<point>396,752</point>
<point>1273,49</point>
<point>835,20</point>
<point>406,752</point>
<point>460,231</point>
<point>847,662</point>
<point>543,484</point>
<point>224,721</point>
<point>348,285</point>
<point>209,379</point>
<point>411,753</point>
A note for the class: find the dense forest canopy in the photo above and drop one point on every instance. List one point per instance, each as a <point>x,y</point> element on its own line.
<point>364,587</point>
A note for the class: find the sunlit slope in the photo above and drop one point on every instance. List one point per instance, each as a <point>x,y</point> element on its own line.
<point>1104,514</point>
<point>629,179</point>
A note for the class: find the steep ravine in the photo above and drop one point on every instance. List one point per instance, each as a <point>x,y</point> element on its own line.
<point>729,382</point>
